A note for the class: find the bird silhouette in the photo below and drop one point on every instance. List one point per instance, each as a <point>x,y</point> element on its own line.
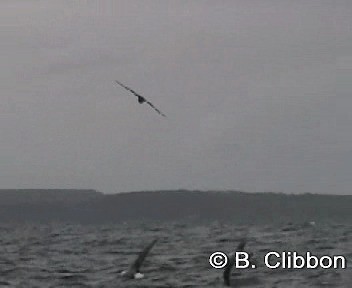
<point>141,99</point>
<point>134,270</point>
<point>231,263</point>
<point>239,282</point>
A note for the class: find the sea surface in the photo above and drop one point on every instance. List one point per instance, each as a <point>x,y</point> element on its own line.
<point>64,255</point>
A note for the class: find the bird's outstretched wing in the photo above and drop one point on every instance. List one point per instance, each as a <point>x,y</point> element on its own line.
<point>156,109</point>
<point>136,265</point>
<point>141,99</point>
<point>129,89</point>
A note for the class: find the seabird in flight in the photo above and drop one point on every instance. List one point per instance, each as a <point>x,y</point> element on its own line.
<point>231,262</point>
<point>141,99</point>
<point>133,271</point>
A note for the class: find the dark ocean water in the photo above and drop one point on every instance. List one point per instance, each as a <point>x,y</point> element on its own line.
<point>60,255</point>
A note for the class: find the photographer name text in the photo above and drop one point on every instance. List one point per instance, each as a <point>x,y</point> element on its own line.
<point>283,260</point>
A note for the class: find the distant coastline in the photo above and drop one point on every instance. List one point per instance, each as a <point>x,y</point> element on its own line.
<point>94,207</point>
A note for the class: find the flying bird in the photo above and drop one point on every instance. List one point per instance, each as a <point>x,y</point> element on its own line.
<point>134,270</point>
<point>141,99</point>
<point>231,262</point>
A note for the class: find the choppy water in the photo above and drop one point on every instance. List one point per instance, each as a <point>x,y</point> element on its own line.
<point>61,255</point>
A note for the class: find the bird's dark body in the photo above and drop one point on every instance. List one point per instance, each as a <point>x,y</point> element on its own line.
<point>141,99</point>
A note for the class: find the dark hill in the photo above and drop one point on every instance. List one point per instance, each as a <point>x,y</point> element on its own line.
<point>89,206</point>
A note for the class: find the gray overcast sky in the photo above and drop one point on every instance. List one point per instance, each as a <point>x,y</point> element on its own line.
<point>257,95</point>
